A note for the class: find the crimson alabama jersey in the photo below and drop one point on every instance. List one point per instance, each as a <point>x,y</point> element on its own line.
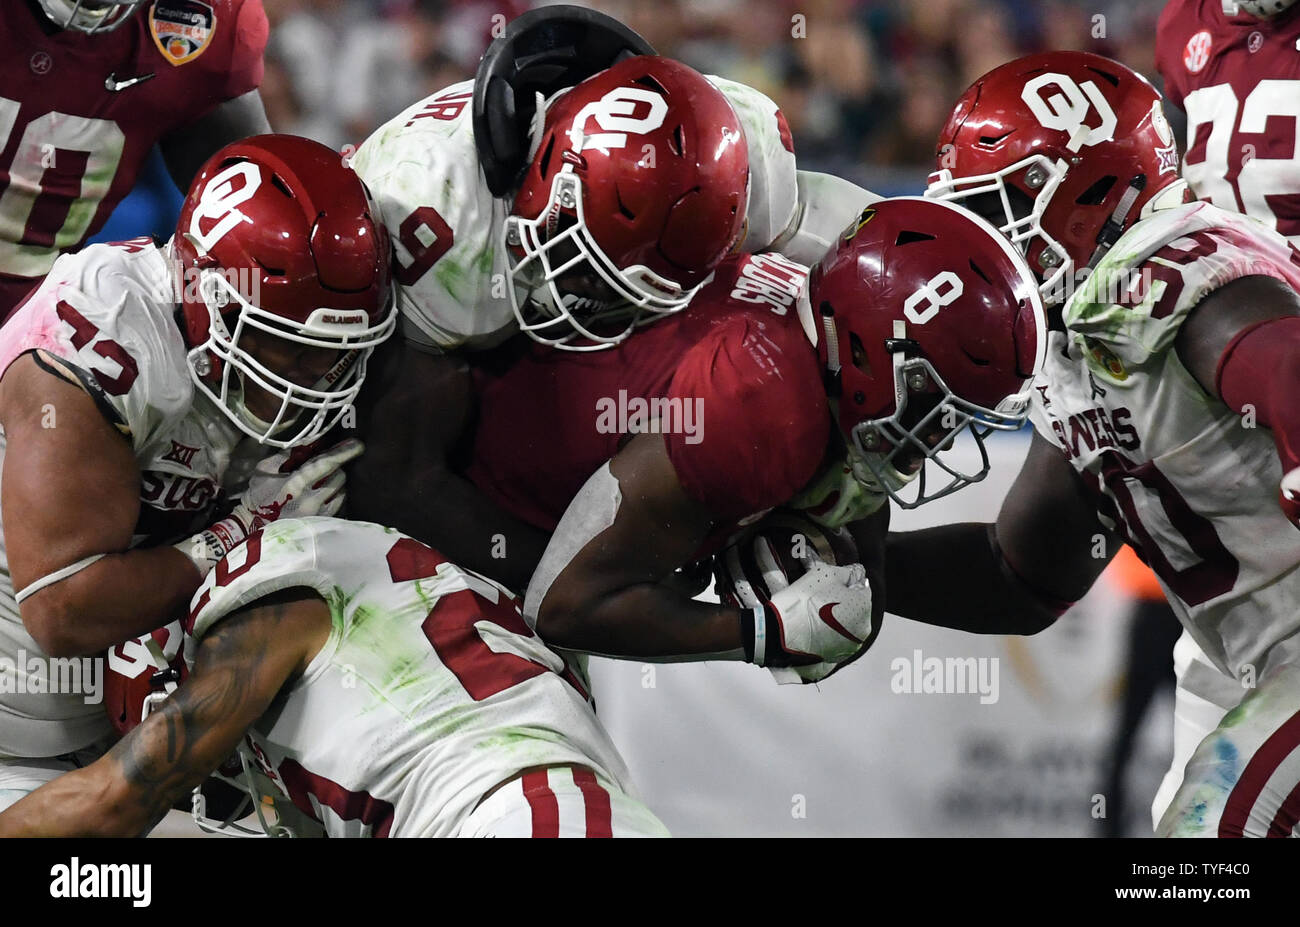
<point>1189,483</point>
<point>104,319</point>
<point>79,114</point>
<point>429,692</point>
<point>1238,78</point>
<point>732,382</point>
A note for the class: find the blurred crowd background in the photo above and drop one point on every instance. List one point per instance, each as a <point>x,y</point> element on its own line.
<point>862,82</point>
<point>865,84</point>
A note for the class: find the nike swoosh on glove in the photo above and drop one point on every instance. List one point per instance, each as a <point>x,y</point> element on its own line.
<point>807,630</point>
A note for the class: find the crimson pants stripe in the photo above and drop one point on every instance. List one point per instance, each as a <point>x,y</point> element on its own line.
<point>599,819</point>
<point>1255,776</point>
<point>544,805</point>
<point>1287,815</point>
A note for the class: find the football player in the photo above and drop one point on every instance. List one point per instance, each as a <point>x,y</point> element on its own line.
<point>577,188</point>
<point>1234,66</point>
<point>87,88</point>
<point>1163,415</point>
<point>411,700</point>
<point>919,324</point>
<point>138,382</point>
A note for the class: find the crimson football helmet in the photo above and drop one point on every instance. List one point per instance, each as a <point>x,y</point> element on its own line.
<point>1260,9</point>
<point>1063,151</point>
<point>636,191</point>
<point>278,240</point>
<point>90,16</point>
<point>930,325</point>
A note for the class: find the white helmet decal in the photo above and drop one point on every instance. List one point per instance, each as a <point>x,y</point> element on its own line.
<point>220,201</point>
<point>613,113</point>
<point>1068,111</point>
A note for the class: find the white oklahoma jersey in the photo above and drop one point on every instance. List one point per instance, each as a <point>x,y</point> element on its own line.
<point>1193,486</point>
<point>429,693</point>
<point>1187,481</point>
<point>423,170</point>
<point>104,319</point>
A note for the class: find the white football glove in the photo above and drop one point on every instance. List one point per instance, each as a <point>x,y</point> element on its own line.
<point>313,488</point>
<point>820,620</point>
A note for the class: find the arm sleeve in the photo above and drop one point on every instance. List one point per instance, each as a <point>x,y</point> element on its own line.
<point>1169,50</point>
<point>1260,368</point>
<point>248,45</point>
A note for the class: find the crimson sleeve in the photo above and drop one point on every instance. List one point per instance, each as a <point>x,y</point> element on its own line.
<point>758,418</point>
<point>247,49</point>
<point>1260,368</point>
<point>1168,50</point>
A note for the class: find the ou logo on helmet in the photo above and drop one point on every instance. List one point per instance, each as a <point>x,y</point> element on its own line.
<point>220,202</point>
<point>1068,110</point>
<point>613,113</point>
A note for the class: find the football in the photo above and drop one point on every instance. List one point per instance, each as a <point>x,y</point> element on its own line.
<point>775,552</point>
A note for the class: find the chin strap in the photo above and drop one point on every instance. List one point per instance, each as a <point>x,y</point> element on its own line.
<point>1114,226</point>
<point>540,106</point>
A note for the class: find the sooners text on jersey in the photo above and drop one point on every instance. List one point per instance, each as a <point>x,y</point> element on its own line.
<point>1189,483</point>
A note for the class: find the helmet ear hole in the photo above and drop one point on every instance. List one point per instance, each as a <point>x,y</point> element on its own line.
<point>908,237</point>
<point>979,270</point>
<point>544,163</point>
<point>860,361</point>
<point>1097,193</point>
<point>279,183</point>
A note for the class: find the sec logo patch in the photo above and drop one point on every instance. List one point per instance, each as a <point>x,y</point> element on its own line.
<point>1197,53</point>
<point>181,29</point>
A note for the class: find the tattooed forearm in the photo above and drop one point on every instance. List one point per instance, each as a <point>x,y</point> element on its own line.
<point>241,665</point>
<point>200,725</point>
